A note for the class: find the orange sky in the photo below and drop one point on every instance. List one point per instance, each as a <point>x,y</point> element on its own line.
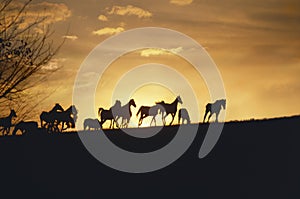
<point>255,44</point>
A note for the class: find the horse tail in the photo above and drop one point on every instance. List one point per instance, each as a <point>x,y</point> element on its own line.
<point>139,111</point>
<point>99,110</point>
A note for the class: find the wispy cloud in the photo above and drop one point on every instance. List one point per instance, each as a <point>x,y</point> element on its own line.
<point>54,64</point>
<point>130,10</point>
<point>51,12</point>
<point>71,37</point>
<point>108,31</point>
<point>181,2</point>
<point>160,51</point>
<point>102,18</point>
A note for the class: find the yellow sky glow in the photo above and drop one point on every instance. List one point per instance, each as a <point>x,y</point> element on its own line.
<point>255,44</point>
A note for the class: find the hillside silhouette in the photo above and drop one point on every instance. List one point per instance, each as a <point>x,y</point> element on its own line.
<point>252,159</point>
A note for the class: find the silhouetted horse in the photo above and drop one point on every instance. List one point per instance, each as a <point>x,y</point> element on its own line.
<point>25,127</point>
<point>67,117</point>
<point>169,109</point>
<point>184,115</point>
<point>125,113</point>
<point>111,114</point>
<point>214,108</point>
<point>146,111</point>
<point>48,117</point>
<point>91,124</point>
<point>6,122</point>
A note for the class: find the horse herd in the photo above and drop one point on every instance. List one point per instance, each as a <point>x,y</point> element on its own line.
<point>123,114</point>
<point>58,119</point>
<point>120,115</point>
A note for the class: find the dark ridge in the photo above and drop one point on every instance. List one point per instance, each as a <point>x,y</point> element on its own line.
<point>252,159</point>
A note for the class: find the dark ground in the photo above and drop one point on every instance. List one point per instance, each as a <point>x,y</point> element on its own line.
<point>253,159</point>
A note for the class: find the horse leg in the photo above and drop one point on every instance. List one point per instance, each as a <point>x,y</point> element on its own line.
<point>164,119</point>
<point>205,116</point>
<point>173,116</point>
<point>110,124</point>
<point>127,123</point>
<point>209,117</point>
<point>62,127</point>
<point>117,124</point>
<point>123,122</point>
<point>217,115</point>
<point>112,121</point>
<point>49,128</point>
<point>140,121</point>
<point>102,122</point>
<point>2,131</point>
<point>152,120</point>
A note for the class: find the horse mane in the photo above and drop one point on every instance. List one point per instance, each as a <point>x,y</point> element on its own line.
<point>161,102</point>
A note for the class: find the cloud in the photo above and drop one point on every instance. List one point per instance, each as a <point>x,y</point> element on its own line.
<point>130,10</point>
<point>54,64</point>
<point>160,51</point>
<point>51,12</point>
<point>102,18</point>
<point>181,2</point>
<point>122,24</point>
<point>108,31</point>
<point>71,37</point>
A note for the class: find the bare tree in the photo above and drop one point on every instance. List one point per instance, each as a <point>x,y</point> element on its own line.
<point>25,47</point>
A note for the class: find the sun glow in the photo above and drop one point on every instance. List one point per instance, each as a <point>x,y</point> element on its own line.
<point>180,77</point>
<point>147,95</point>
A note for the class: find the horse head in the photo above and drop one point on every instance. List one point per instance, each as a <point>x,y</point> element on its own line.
<point>57,107</point>
<point>74,110</point>
<point>132,102</point>
<point>179,99</point>
<point>224,103</point>
<point>117,103</point>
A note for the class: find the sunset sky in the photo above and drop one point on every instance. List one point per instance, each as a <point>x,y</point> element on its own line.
<point>255,45</point>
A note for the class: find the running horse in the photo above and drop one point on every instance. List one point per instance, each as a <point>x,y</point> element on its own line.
<point>125,113</point>
<point>110,114</point>
<point>146,111</point>
<point>169,109</point>
<point>68,117</point>
<point>48,118</point>
<point>214,108</point>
